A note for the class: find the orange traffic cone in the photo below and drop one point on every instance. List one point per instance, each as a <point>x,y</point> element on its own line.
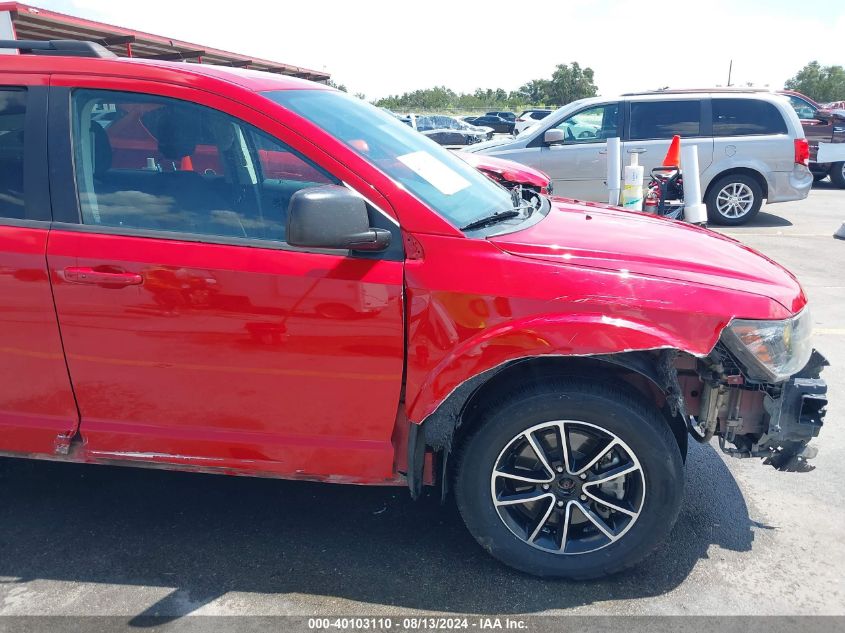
<point>673,156</point>
<point>186,164</point>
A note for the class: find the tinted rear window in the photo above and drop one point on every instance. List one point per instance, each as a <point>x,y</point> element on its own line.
<point>740,117</point>
<point>664,119</point>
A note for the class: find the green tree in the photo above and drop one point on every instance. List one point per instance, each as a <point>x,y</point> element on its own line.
<point>332,84</point>
<point>535,91</point>
<point>822,83</point>
<point>570,83</point>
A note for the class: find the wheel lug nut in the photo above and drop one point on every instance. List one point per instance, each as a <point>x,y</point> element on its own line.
<point>583,475</point>
<point>583,497</point>
<point>559,469</point>
<point>545,486</point>
<point>560,504</point>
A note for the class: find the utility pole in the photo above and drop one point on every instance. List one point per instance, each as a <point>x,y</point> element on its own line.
<point>730,68</point>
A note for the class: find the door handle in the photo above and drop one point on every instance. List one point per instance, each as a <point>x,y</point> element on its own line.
<point>637,150</point>
<point>84,275</point>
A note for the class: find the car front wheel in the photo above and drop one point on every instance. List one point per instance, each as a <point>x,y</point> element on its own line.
<point>570,479</point>
<point>733,200</point>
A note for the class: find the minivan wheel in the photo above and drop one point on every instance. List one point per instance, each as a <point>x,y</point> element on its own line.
<point>733,200</point>
<point>837,174</point>
<point>570,479</point>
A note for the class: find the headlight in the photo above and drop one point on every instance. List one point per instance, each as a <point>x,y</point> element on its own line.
<point>771,351</point>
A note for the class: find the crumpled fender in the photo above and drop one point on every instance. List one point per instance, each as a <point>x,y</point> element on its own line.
<point>547,335</point>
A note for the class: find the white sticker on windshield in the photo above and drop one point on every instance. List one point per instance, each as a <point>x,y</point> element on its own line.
<point>445,179</point>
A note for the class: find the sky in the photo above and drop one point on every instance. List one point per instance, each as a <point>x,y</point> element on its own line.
<point>378,47</point>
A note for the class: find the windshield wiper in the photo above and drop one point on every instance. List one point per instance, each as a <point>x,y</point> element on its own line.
<point>498,216</point>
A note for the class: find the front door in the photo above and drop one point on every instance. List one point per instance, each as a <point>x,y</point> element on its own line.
<point>578,166</point>
<point>816,130</point>
<point>194,334</point>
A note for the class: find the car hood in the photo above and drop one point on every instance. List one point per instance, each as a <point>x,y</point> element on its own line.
<point>496,142</point>
<point>508,170</point>
<point>838,114</point>
<point>600,236</point>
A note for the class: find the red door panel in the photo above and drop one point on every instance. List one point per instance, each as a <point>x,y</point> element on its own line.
<point>230,356</point>
<point>36,402</point>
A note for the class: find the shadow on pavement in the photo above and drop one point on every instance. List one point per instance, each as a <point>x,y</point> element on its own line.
<point>207,535</point>
<point>763,219</point>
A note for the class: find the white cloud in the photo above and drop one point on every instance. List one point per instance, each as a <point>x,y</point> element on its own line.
<point>390,47</point>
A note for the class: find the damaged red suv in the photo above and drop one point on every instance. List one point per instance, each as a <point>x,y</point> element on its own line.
<point>227,271</point>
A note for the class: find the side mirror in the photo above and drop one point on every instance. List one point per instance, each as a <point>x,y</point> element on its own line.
<point>331,216</point>
<point>554,136</point>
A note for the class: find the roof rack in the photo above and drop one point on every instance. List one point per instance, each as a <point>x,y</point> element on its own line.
<point>65,48</point>
<point>665,91</point>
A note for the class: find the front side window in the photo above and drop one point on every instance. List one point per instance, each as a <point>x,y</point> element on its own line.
<point>433,174</point>
<point>155,163</point>
<point>665,119</point>
<point>593,125</point>
<point>12,115</point>
<point>743,117</point>
<point>803,109</point>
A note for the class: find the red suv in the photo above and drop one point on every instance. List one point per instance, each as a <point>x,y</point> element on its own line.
<point>227,271</point>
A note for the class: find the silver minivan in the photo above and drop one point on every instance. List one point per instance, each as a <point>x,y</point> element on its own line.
<point>750,146</point>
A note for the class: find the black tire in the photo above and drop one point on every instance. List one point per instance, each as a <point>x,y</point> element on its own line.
<point>837,174</point>
<point>724,183</point>
<point>617,411</point>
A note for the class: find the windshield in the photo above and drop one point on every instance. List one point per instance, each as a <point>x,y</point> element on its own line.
<point>443,181</point>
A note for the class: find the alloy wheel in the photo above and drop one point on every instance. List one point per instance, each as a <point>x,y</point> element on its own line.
<point>734,200</point>
<point>568,487</point>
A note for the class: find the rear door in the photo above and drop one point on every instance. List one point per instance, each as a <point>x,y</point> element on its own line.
<point>194,333</point>
<point>37,410</point>
<point>751,131</point>
<point>653,123</point>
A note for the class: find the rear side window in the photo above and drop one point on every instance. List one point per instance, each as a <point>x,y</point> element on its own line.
<point>743,117</point>
<point>155,163</point>
<point>12,116</point>
<point>665,119</point>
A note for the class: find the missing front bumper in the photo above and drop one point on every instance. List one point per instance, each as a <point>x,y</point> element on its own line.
<point>795,412</point>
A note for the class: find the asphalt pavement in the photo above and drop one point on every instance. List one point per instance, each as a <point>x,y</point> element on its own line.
<point>98,540</point>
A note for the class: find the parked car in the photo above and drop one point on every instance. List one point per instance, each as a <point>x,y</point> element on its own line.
<point>529,118</point>
<point>834,105</point>
<point>497,123</point>
<point>750,146</point>
<point>342,300</point>
<point>824,127</point>
<point>507,116</point>
<point>532,183</point>
<point>447,130</point>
